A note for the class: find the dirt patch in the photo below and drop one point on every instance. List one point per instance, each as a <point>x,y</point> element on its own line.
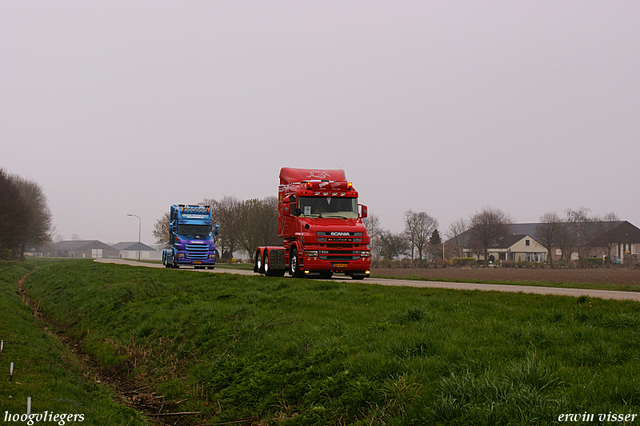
<point>614,276</point>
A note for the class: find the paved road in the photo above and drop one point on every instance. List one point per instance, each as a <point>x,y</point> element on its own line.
<point>602,294</point>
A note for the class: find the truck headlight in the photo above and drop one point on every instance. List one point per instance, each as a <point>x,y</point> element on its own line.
<point>311,253</point>
<point>365,254</point>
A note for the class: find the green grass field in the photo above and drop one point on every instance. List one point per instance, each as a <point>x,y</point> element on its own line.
<point>44,369</point>
<point>309,352</point>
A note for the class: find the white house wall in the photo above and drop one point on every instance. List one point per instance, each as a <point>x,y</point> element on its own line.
<point>144,254</point>
<point>521,252</point>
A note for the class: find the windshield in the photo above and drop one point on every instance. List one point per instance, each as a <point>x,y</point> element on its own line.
<point>346,208</point>
<point>195,230</point>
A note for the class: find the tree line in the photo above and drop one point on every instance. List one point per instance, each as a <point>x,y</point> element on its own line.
<point>420,240</point>
<point>579,232</point>
<point>246,225</point>
<point>25,218</point>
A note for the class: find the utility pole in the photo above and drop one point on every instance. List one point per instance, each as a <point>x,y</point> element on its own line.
<point>139,228</point>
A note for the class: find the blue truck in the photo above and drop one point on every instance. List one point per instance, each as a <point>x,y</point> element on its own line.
<point>191,233</point>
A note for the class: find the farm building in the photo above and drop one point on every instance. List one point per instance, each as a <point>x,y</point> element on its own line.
<point>135,250</point>
<point>516,247</point>
<point>90,249</point>
<point>620,240</point>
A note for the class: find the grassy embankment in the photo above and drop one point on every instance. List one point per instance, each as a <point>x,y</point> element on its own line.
<point>44,369</point>
<point>288,351</point>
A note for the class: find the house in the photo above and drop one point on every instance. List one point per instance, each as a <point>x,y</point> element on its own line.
<point>622,237</point>
<point>519,248</point>
<point>135,250</point>
<point>90,249</point>
<point>516,247</point>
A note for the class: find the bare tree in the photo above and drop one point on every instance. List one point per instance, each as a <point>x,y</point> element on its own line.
<point>37,223</point>
<point>161,232</point>
<point>25,218</point>
<point>608,237</point>
<point>11,209</point>
<point>418,228</point>
<point>259,223</point>
<point>410,230</point>
<point>585,229</point>
<point>475,248</point>
<point>372,223</point>
<point>268,229</point>
<point>566,240</point>
<point>393,245</point>
<point>228,214</point>
<point>487,227</point>
<point>249,217</point>
<point>457,234</point>
<point>548,232</point>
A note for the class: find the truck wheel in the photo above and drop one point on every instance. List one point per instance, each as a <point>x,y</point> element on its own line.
<point>258,264</point>
<point>265,262</point>
<point>295,266</point>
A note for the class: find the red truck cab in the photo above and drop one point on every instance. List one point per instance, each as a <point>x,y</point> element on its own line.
<point>320,222</point>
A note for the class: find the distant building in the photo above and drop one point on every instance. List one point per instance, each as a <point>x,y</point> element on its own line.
<point>519,244</point>
<point>82,249</point>
<point>519,248</point>
<point>129,250</point>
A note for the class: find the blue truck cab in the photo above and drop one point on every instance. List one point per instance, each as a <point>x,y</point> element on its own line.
<point>191,233</point>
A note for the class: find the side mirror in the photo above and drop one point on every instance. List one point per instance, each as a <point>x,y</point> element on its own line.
<point>216,229</point>
<point>363,211</point>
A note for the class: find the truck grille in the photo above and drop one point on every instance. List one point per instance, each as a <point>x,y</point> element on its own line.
<point>197,251</point>
<point>339,255</point>
<point>339,246</point>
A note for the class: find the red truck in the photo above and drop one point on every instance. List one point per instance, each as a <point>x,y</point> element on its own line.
<point>320,221</point>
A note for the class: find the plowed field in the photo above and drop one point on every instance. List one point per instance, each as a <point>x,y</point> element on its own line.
<point>615,276</point>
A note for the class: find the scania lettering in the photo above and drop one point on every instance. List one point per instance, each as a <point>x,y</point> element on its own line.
<point>320,222</point>
<point>191,233</point>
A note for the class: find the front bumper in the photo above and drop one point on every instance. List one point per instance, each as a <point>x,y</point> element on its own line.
<point>315,264</point>
<point>182,261</point>
<point>202,259</point>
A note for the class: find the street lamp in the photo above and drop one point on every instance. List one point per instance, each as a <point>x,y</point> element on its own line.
<point>139,228</point>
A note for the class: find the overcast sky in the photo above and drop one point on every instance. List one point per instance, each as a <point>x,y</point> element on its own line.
<point>119,107</point>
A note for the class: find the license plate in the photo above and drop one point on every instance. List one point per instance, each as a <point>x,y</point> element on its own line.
<point>197,262</point>
<point>340,265</point>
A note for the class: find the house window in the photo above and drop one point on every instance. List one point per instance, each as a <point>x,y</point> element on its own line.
<point>558,252</point>
<point>527,243</point>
